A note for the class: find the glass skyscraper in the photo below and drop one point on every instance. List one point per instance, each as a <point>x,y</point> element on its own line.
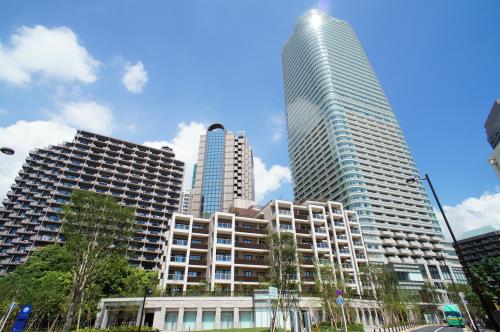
<point>223,173</point>
<point>214,171</point>
<point>345,144</point>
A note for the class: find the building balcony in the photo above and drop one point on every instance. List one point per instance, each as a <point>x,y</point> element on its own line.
<point>251,245</point>
<point>253,230</point>
<point>402,243</point>
<point>414,244</point>
<point>199,246</point>
<point>246,278</point>
<point>405,252</point>
<point>201,262</point>
<point>303,230</point>
<point>391,251</point>
<point>260,262</point>
<point>196,279</point>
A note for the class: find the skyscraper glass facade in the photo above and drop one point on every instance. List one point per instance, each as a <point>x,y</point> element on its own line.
<point>345,143</point>
<point>214,169</point>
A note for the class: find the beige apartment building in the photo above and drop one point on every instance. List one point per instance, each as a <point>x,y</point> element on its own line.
<point>228,250</point>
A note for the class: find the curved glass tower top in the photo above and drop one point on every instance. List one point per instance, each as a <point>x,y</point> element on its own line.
<point>344,141</point>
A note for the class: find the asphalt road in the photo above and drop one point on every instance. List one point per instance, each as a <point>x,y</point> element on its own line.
<point>438,328</point>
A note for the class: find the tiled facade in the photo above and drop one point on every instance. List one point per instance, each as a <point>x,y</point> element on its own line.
<point>224,172</point>
<point>144,178</point>
<point>480,246</point>
<point>228,250</point>
<point>346,145</point>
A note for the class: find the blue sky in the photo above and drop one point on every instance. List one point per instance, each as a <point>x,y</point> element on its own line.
<point>220,61</point>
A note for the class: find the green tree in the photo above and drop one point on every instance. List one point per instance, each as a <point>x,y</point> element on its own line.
<point>486,276</point>
<point>392,300</point>
<point>96,229</point>
<point>44,281</point>
<point>283,274</point>
<point>327,283</point>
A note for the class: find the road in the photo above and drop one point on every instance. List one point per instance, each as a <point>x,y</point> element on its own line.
<point>438,328</point>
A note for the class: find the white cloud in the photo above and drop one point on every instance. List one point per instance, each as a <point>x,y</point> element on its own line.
<point>24,136</point>
<point>269,180</point>
<point>185,145</point>
<point>135,77</point>
<point>473,213</point>
<point>87,115</point>
<point>52,53</point>
<point>276,124</point>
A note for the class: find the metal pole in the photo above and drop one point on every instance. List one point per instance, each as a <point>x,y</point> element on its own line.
<point>463,262</point>
<point>11,307</point>
<point>343,317</point>
<point>465,305</point>
<point>142,309</point>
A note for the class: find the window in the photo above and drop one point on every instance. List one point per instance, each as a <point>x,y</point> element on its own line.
<point>247,256</point>
<point>434,272</point>
<point>247,273</point>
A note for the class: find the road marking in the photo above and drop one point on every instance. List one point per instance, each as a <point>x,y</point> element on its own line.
<point>442,327</point>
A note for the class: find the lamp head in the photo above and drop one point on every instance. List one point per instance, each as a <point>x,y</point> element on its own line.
<point>410,180</point>
<point>7,151</point>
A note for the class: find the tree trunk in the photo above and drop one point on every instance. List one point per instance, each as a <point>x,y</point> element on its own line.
<point>78,320</point>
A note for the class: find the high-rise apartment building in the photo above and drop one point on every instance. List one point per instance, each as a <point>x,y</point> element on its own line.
<point>224,171</point>
<point>228,250</point>
<point>141,177</point>
<point>345,144</point>
<point>185,202</point>
<point>492,126</point>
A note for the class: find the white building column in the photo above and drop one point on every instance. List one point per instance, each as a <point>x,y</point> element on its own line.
<point>236,318</point>
<point>199,314</point>
<point>180,319</point>
<point>159,319</point>
<point>377,321</point>
<point>217,318</point>
<point>358,320</point>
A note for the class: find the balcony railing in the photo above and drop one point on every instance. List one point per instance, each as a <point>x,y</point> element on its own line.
<point>198,262</point>
<point>182,226</point>
<point>178,259</point>
<point>322,245</point>
<point>179,242</point>
<point>303,230</point>
<point>251,261</point>
<point>251,230</point>
<point>223,258</point>
<point>223,241</point>
<point>175,277</point>
<point>305,245</point>
<point>222,276</point>
<point>246,278</point>
<point>250,245</point>
<point>202,230</point>
<point>224,225</point>
<point>199,245</point>
<point>196,278</point>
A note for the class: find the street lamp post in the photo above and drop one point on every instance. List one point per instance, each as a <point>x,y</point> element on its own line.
<point>459,254</point>
<point>147,291</point>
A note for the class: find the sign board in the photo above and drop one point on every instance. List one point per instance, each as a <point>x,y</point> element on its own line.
<point>340,300</point>
<point>22,318</point>
<point>273,293</point>
<point>338,292</point>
